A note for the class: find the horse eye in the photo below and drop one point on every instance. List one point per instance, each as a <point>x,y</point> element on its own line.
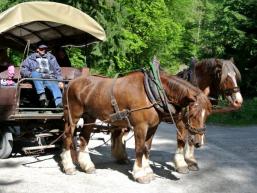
<point>193,104</point>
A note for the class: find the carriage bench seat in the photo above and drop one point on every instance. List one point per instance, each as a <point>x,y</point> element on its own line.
<point>68,73</point>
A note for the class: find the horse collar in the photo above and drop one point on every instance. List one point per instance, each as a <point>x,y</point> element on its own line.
<point>156,95</point>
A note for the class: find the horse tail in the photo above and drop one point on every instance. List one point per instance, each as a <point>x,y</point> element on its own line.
<point>66,105</point>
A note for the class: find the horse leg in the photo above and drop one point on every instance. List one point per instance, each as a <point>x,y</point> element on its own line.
<point>67,163</point>
<point>74,113</point>
<point>190,158</point>
<point>139,173</point>
<point>148,144</point>
<point>84,159</point>
<point>179,160</point>
<point>119,145</point>
<point>189,152</point>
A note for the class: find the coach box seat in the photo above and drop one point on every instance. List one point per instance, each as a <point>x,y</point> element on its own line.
<point>68,73</point>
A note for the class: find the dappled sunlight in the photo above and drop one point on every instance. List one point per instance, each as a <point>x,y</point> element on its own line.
<point>164,142</point>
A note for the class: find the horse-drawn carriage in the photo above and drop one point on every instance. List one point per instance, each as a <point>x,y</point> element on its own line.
<point>127,102</point>
<point>23,27</point>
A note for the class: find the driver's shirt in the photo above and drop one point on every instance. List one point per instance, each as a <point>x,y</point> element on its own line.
<point>43,64</point>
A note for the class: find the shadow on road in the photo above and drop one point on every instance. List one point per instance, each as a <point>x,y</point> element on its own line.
<point>101,156</point>
<point>8,164</point>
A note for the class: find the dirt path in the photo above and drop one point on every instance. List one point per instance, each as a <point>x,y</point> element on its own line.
<point>228,164</point>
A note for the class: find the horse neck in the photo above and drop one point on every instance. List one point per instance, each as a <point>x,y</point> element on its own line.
<point>179,90</point>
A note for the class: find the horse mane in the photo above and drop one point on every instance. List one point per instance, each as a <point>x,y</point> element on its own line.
<point>182,87</point>
<point>120,75</point>
<point>229,66</point>
<point>99,75</point>
<point>220,67</point>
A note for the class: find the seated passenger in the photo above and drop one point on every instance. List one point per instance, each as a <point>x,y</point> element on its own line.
<point>9,81</point>
<point>62,57</point>
<point>6,65</point>
<point>43,64</point>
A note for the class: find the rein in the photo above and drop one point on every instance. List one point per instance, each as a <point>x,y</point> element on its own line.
<point>220,109</point>
<point>127,111</point>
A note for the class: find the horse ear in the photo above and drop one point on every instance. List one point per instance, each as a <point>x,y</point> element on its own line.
<point>217,61</point>
<point>206,91</point>
<point>191,98</point>
<point>232,60</point>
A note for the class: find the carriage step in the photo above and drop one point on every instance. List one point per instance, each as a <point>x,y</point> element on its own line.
<point>37,149</point>
<point>44,135</point>
<point>36,115</point>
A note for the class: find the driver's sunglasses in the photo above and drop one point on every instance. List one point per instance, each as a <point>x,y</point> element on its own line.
<point>41,49</point>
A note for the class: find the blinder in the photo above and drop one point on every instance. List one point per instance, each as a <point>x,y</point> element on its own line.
<point>231,91</point>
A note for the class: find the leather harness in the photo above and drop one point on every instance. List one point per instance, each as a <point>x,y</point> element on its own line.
<point>156,96</point>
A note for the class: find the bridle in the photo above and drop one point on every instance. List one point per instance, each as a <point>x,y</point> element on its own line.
<point>191,129</point>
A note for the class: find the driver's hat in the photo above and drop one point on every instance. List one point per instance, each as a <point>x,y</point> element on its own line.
<point>42,46</point>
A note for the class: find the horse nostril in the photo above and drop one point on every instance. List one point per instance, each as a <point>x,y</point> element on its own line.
<point>237,103</point>
<point>197,145</point>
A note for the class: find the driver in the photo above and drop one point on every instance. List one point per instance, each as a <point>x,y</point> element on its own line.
<point>43,64</point>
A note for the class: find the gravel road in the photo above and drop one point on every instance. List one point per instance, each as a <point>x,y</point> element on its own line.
<point>228,164</point>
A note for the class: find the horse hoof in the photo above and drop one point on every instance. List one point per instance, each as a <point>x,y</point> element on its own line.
<point>182,170</point>
<point>144,180</point>
<point>70,171</point>
<point>193,167</point>
<point>151,176</point>
<point>90,170</point>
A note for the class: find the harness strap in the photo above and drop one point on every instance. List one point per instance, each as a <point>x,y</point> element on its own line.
<point>118,115</point>
<point>113,100</point>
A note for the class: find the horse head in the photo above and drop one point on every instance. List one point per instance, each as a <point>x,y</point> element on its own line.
<point>195,116</point>
<point>229,76</point>
<point>194,104</point>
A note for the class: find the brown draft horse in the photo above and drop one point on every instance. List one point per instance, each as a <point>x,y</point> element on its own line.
<point>220,77</point>
<point>89,97</point>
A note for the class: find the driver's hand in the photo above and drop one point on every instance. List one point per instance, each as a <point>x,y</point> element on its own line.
<point>61,85</point>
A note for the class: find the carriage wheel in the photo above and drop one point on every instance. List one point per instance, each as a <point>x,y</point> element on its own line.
<point>6,144</point>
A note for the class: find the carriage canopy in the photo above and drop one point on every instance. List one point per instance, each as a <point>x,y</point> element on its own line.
<point>50,22</point>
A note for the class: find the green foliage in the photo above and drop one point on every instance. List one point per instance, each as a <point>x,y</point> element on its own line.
<point>76,57</point>
<point>152,22</point>
<point>15,57</point>
<point>234,35</point>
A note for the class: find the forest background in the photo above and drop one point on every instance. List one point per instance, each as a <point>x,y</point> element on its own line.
<point>175,31</point>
